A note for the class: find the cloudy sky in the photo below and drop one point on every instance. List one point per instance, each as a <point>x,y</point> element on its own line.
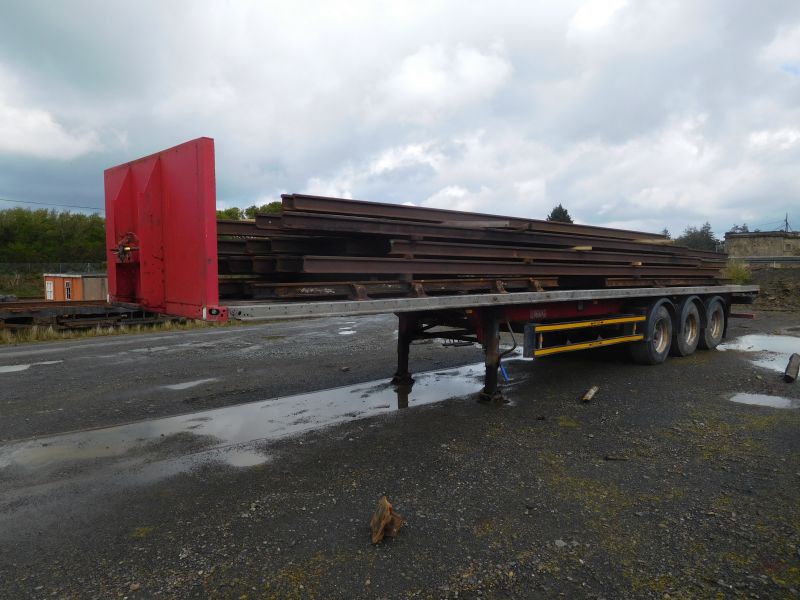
<point>643,114</point>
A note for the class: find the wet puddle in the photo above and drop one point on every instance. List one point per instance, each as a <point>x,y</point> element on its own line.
<point>770,351</point>
<point>219,434</point>
<point>766,400</point>
<point>18,368</point>
<point>189,384</point>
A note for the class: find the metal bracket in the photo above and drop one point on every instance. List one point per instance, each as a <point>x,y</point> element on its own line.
<point>126,246</point>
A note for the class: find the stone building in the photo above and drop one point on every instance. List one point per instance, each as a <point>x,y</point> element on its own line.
<point>763,243</point>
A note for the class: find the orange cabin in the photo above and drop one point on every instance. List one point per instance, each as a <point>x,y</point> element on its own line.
<point>61,287</point>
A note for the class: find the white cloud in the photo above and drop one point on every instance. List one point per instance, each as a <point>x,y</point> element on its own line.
<point>656,113</point>
<point>452,197</point>
<point>534,190</point>
<point>775,139</point>
<point>671,177</point>
<point>593,15</point>
<point>203,99</point>
<point>34,132</point>
<point>339,186</point>
<point>784,47</point>
<point>437,80</point>
<point>395,158</point>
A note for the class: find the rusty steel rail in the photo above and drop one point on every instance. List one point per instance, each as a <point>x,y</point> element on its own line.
<point>258,290</point>
<point>341,224</point>
<point>417,266</point>
<point>338,248</point>
<point>662,282</point>
<point>250,228</point>
<point>408,248</point>
<point>342,206</point>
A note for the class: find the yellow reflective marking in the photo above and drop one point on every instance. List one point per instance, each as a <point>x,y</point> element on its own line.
<point>582,324</point>
<point>587,345</point>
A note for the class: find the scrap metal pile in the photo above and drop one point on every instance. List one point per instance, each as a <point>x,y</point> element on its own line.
<point>334,248</point>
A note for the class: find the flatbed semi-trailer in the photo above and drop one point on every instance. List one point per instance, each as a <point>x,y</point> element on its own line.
<point>655,322</point>
<point>162,256</point>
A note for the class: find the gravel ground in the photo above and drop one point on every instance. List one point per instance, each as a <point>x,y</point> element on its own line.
<point>780,288</point>
<point>105,381</point>
<point>661,487</point>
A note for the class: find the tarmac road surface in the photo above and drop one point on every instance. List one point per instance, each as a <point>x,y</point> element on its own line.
<point>93,382</point>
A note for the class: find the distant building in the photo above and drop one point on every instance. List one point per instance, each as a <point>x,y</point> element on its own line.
<point>763,244</point>
<point>75,286</point>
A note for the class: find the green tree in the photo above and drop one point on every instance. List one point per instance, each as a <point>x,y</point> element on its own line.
<point>234,213</point>
<point>51,236</point>
<point>271,208</point>
<point>699,239</point>
<point>743,228</point>
<point>560,214</point>
<point>237,214</point>
<point>666,234</point>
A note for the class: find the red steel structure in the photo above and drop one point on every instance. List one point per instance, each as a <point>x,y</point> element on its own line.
<point>161,232</point>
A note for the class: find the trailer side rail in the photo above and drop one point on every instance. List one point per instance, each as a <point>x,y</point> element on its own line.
<point>263,311</point>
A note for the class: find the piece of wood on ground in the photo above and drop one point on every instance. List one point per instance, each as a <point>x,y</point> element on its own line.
<point>587,397</point>
<point>792,368</point>
<point>385,522</point>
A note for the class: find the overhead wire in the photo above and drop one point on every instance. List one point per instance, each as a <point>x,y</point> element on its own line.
<point>52,204</point>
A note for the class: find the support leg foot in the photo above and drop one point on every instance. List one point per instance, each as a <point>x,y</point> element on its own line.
<point>495,399</point>
<point>402,379</point>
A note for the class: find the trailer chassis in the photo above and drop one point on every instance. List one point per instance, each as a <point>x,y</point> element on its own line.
<point>578,319</point>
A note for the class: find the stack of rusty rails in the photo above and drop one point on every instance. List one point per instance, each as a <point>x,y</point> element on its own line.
<point>320,247</point>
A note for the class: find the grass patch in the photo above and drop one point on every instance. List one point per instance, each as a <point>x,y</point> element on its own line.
<point>22,285</point>
<point>140,533</point>
<point>566,421</point>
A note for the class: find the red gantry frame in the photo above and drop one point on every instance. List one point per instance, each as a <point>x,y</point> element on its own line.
<point>161,232</point>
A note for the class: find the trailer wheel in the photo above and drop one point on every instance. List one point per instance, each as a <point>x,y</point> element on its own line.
<point>687,329</point>
<point>654,349</point>
<point>712,333</point>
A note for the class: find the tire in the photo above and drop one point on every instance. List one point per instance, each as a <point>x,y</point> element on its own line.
<point>655,348</point>
<point>712,333</point>
<point>687,330</point>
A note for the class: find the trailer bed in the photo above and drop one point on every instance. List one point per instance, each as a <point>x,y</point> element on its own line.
<point>250,311</point>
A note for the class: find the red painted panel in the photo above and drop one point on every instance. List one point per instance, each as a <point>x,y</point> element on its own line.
<point>548,312</point>
<point>161,211</point>
<point>561,310</point>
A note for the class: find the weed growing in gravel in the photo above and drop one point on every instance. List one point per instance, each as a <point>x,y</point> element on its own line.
<point>46,334</point>
<point>737,271</point>
<point>140,533</point>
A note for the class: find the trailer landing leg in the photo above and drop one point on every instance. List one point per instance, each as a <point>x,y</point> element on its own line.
<point>407,327</point>
<point>491,345</point>
<point>403,392</point>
